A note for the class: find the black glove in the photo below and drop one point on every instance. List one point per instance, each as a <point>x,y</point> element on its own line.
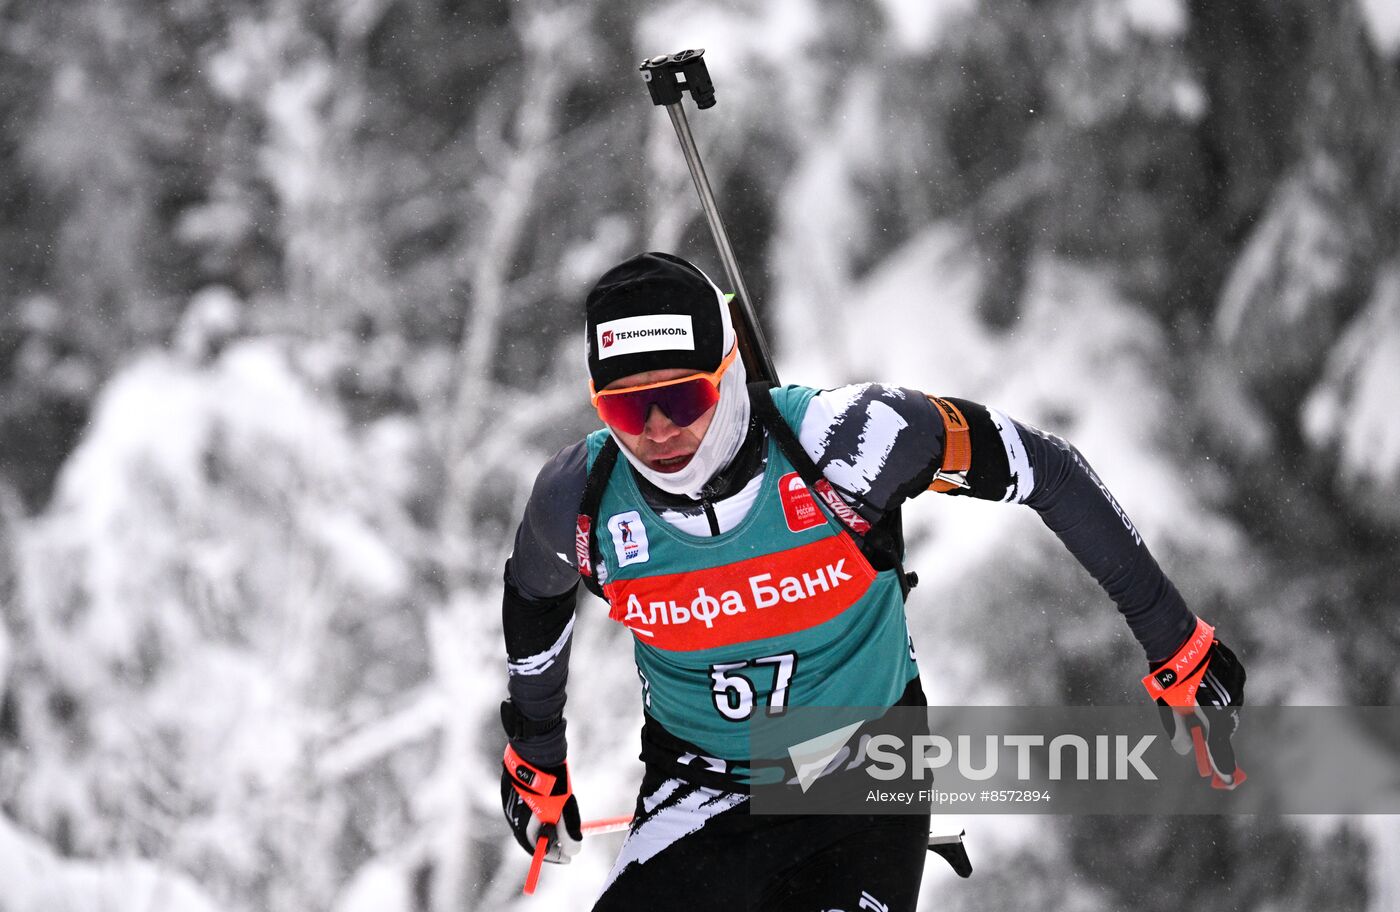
<point>539,801</point>
<point>1197,691</point>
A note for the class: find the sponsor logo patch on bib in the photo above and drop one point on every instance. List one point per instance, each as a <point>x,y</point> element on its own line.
<point>799,508</point>
<point>629,538</point>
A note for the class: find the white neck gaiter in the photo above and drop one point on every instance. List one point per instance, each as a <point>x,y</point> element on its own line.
<point>721,441</point>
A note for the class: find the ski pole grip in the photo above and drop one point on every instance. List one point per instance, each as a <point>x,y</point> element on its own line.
<point>669,76</point>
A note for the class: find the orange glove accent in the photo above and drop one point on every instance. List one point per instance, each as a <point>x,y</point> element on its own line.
<point>1198,691</point>
<point>1176,680</point>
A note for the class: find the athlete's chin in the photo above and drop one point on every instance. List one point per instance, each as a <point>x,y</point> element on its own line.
<point>670,464</point>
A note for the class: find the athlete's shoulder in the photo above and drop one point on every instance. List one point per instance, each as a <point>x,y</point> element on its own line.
<point>542,565</point>
<point>870,439</point>
<point>816,411</point>
<point>561,479</point>
<point>861,400</point>
<point>792,400</point>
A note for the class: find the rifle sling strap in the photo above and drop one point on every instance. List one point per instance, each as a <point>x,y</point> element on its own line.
<point>585,533</point>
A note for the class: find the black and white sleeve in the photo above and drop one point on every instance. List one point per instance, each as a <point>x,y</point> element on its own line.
<point>875,443</point>
<point>883,444</point>
<point>537,611</point>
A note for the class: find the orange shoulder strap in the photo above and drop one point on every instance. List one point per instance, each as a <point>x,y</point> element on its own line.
<point>957,449</point>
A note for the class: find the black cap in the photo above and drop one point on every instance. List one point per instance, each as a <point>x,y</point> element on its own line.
<point>652,312</point>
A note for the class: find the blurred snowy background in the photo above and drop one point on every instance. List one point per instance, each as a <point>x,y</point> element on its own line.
<point>290,300</point>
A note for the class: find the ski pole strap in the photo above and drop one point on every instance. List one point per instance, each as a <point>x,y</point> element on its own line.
<point>585,545</point>
<point>1174,682</point>
<point>957,449</point>
<point>772,421</point>
<point>519,726</point>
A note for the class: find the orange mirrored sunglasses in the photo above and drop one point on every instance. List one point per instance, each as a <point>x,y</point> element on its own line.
<point>683,399</point>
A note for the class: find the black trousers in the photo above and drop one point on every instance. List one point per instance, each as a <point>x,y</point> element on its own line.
<point>697,848</point>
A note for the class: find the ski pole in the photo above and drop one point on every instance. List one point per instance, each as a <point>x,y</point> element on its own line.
<point>532,877</point>
<point>607,825</point>
<point>590,828</point>
<point>668,78</point>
